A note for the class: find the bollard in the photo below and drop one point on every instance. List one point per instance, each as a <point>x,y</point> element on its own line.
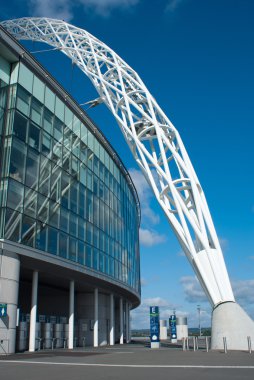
<point>183,340</point>
<point>187,343</point>
<point>206,344</point>
<point>194,345</point>
<point>225,344</point>
<point>249,343</point>
<point>196,342</point>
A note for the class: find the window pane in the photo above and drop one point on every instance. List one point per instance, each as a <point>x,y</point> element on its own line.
<point>38,89</point>
<point>15,195</point>
<point>52,240</point>
<point>30,201</point>
<point>82,201</point>
<point>48,120</point>
<point>72,250</point>
<point>68,117</point>
<point>88,256</point>
<point>23,101</point>
<point>54,213</point>
<point>12,225</point>
<point>83,152</point>
<point>20,126</point>
<point>17,163</point>
<point>65,189</point>
<point>55,183</point>
<point>41,237</point>
<point>89,206</point>
<point>57,152</point>
<point>81,252</point>
<point>26,77</point>
<point>50,100</point>
<point>64,221</point>
<point>32,169</point>
<point>95,259</point>
<point>73,224</point>
<point>45,172</point>
<point>74,197</point>
<point>42,208</point>
<point>34,136</point>
<point>81,229</point>
<point>28,231</point>
<point>46,144</point>
<point>101,262</point>
<point>89,233</point>
<point>76,127</point>
<point>63,245</point>
<point>58,129</point>
<point>36,111</point>
<point>59,109</point>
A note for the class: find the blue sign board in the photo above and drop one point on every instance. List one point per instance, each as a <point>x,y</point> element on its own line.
<point>3,310</point>
<point>172,324</point>
<point>154,324</point>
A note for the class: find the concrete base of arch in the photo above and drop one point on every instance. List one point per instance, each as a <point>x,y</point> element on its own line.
<point>230,321</point>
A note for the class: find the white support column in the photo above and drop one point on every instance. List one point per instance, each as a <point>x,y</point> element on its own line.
<point>121,320</point>
<point>127,318</point>
<point>33,312</point>
<point>127,321</point>
<point>96,317</point>
<point>112,321</point>
<point>71,316</point>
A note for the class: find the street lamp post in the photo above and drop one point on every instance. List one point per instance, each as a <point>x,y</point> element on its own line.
<point>199,324</point>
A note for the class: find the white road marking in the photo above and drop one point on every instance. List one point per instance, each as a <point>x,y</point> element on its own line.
<point>130,365</point>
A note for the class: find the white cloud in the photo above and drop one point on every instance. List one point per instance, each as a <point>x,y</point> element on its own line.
<point>223,243</point>
<point>143,282</point>
<point>192,289</point>
<point>156,301</point>
<point>172,5</point>
<point>64,9</point>
<point>145,196</point>
<point>140,317</point>
<point>105,7</point>
<point>60,9</point>
<point>244,291</point>
<point>150,238</point>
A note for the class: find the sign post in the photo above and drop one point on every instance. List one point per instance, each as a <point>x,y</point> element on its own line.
<point>155,326</point>
<point>3,310</point>
<point>172,324</point>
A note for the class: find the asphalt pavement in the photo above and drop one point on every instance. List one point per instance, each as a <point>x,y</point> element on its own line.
<point>134,361</point>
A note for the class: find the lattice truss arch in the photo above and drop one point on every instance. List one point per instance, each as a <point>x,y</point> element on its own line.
<point>154,141</point>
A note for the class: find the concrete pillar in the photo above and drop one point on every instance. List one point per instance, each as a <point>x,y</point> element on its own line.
<point>112,321</point>
<point>121,320</point>
<point>163,329</point>
<point>33,312</point>
<point>96,318</point>
<point>181,328</point>
<point>9,289</point>
<point>127,321</point>
<point>71,315</point>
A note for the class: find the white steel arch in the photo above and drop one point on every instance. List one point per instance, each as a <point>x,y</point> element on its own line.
<point>154,141</point>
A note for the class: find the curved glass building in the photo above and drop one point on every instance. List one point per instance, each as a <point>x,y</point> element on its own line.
<point>69,217</point>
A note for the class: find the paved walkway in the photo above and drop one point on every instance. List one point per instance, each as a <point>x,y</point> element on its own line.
<point>130,361</point>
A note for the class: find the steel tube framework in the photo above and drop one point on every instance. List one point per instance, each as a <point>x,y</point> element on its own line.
<point>154,141</point>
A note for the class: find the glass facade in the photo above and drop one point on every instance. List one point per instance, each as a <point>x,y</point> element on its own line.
<point>61,191</point>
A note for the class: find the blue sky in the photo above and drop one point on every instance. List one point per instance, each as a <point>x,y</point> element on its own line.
<point>196,58</point>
